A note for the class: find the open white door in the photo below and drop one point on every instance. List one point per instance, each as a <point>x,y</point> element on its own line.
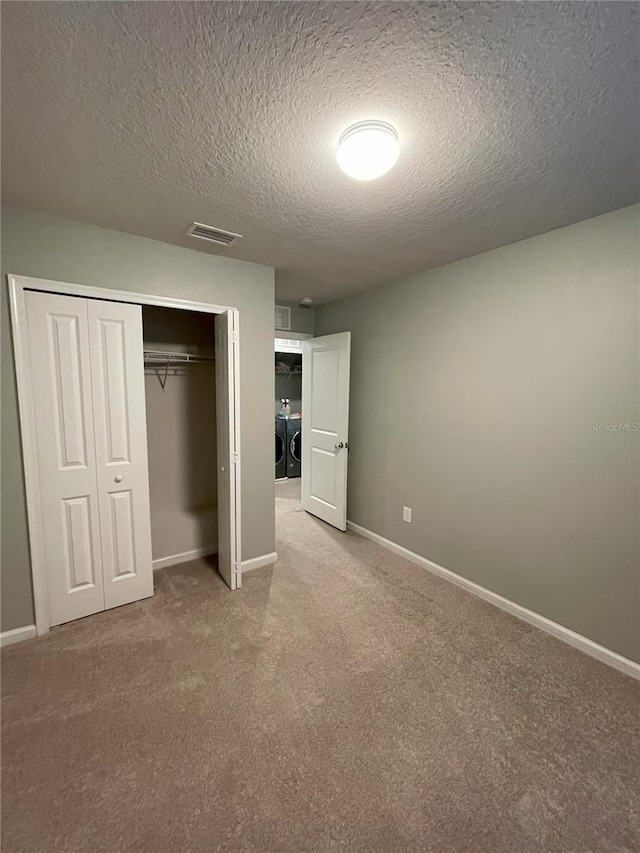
<point>325,427</point>
<point>227,411</point>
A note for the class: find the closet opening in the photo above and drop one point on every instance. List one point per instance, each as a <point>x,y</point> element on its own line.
<point>130,425</point>
<point>180,396</point>
<point>288,416</point>
<point>311,424</point>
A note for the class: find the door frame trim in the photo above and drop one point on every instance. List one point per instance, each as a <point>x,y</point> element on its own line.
<point>17,285</point>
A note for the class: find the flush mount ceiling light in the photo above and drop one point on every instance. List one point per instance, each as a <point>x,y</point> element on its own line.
<point>368,149</point>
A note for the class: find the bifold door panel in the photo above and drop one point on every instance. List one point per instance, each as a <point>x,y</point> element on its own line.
<point>325,427</point>
<point>58,331</point>
<point>228,504</point>
<point>117,368</point>
<point>85,359</point>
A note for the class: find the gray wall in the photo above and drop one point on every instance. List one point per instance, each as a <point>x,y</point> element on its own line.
<point>181,434</point>
<point>302,319</point>
<point>473,390</point>
<point>50,247</point>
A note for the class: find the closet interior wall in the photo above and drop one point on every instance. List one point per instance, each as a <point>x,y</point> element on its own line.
<point>181,433</point>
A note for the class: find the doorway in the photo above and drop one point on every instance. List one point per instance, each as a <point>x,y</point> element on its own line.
<point>312,385</point>
<point>288,409</point>
<point>288,361</point>
<point>180,396</point>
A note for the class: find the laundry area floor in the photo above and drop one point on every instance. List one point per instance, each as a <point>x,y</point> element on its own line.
<point>344,699</point>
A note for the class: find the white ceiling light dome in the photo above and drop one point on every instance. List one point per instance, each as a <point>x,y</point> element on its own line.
<point>368,149</point>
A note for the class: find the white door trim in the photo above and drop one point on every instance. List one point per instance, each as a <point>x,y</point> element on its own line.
<point>90,292</point>
<point>234,370</point>
<point>17,285</point>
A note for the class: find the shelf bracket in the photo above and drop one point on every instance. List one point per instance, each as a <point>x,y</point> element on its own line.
<point>163,380</point>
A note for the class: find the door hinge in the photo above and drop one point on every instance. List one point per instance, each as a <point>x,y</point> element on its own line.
<point>235,458</point>
<point>234,336</point>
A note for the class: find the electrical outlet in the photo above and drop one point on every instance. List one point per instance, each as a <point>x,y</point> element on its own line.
<point>406,514</point>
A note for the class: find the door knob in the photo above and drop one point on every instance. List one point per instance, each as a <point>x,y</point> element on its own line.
<point>340,446</point>
<point>118,479</point>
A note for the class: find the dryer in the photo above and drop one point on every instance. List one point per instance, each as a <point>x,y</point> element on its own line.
<point>281,448</point>
<point>294,447</point>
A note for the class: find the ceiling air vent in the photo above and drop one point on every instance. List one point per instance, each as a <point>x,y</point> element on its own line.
<point>212,235</point>
<point>283,317</point>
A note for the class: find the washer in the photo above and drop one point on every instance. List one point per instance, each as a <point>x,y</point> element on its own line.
<point>294,447</point>
<point>281,448</point>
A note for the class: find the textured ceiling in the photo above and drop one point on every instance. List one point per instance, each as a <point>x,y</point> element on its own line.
<point>514,119</point>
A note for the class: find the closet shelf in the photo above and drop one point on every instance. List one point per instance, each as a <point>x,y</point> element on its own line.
<point>152,356</point>
<point>159,358</point>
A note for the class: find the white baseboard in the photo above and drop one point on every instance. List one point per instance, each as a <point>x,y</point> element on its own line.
<point>17,635</point>
<point>258,562</point>
<point>628,667</point>
<point>174,559</point>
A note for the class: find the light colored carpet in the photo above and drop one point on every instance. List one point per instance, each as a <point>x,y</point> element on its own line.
<point>344,700</point>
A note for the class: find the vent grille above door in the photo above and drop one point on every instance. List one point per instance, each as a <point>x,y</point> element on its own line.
<point>283,317</point>
<point>212,235</point>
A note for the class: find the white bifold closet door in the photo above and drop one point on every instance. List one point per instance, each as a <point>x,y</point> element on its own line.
<point>226,343</point>
<point>122,468</point>
<point>87,381</point>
